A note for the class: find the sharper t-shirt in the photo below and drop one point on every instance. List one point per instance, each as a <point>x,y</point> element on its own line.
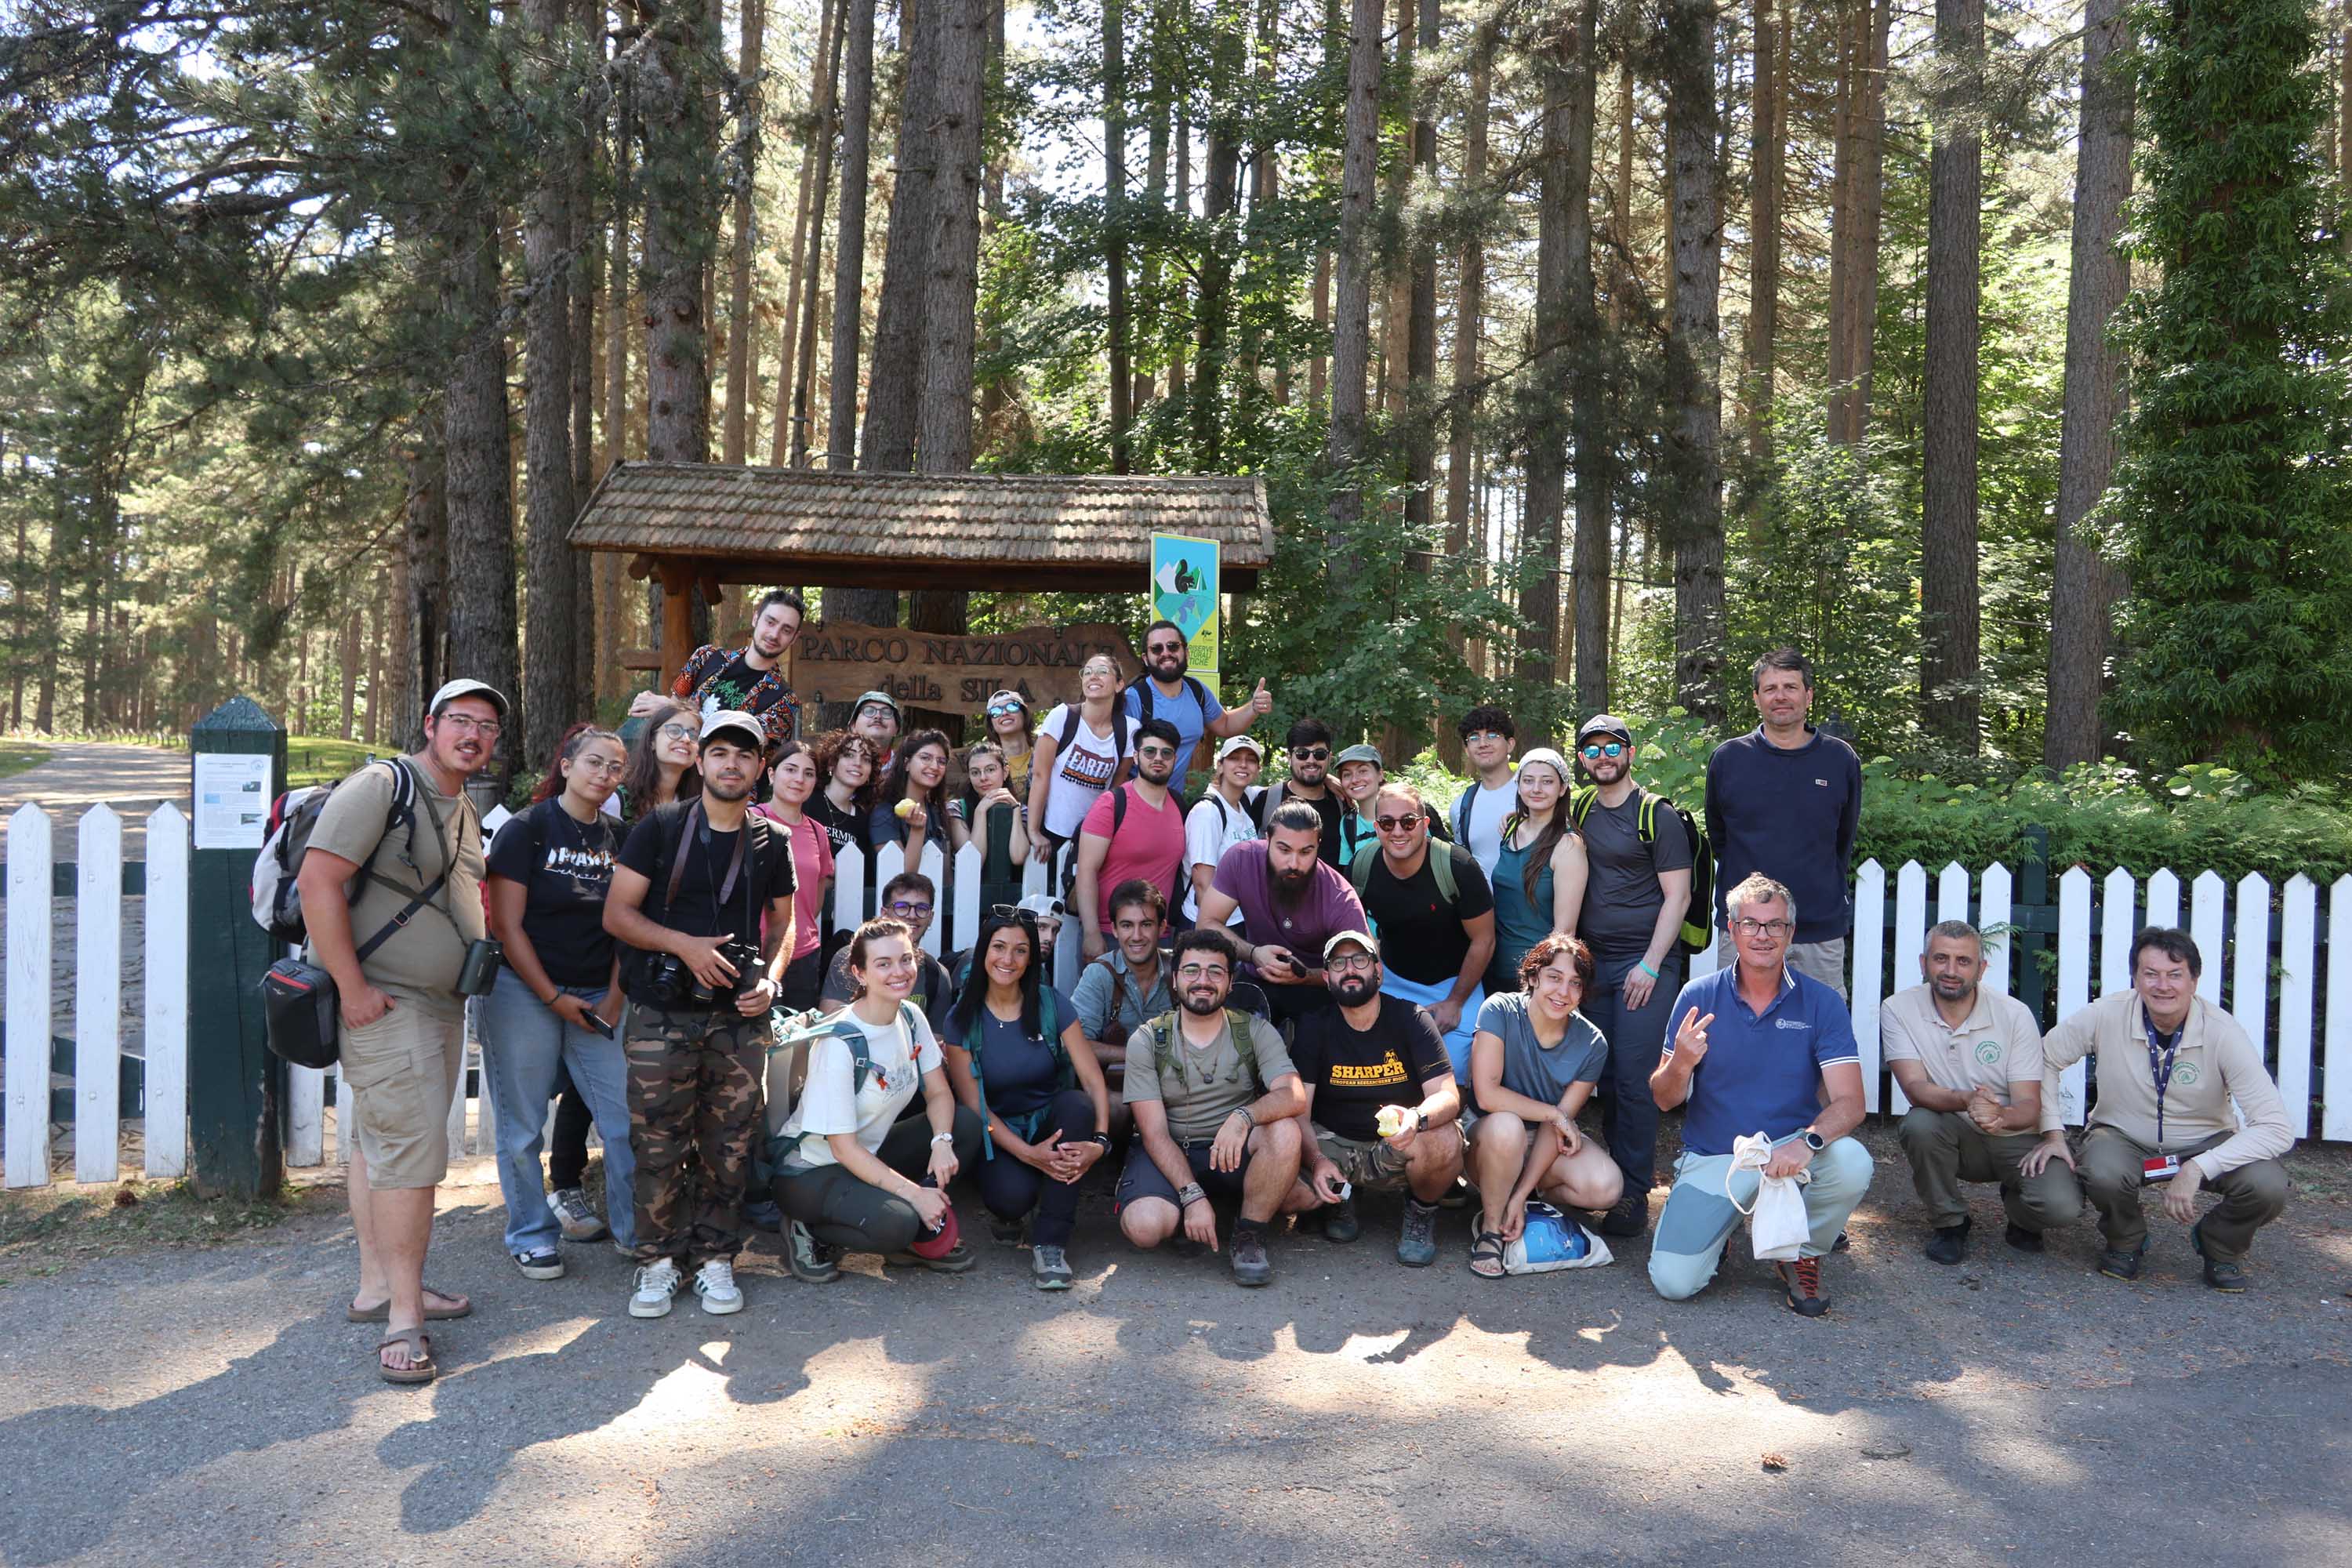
<point>1354,1072</point>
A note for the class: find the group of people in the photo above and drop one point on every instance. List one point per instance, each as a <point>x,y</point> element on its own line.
<point>1293,996</point>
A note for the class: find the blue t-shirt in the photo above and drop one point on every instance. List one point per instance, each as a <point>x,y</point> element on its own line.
<point>1018,1071</point>
<point>1184,711</point>
<point>1761,1073</point>
<point>1530,1069</point>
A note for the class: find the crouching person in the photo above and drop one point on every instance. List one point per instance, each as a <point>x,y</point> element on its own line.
<point>1217,1110</point>
<point>851,1175</point>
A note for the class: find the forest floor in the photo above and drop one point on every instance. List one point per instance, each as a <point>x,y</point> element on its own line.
<point>186,1404</point>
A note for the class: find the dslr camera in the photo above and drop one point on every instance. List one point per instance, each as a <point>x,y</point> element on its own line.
<point>671,985</point>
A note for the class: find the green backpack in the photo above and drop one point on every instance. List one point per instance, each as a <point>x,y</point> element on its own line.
<point>1696,932</point>
<point>1163,1031</point>
<point>1441,870</point>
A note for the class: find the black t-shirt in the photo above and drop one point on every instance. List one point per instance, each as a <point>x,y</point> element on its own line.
<point>731,688</point>
<point>848,829</point>
<point>565,866</point>
<point>1263,804</point>
<point>1421,934</point>
<point>1354,1073</point>
<point>708,855</point>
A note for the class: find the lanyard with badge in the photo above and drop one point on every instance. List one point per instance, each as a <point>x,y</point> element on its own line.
<point>2162,1167</point>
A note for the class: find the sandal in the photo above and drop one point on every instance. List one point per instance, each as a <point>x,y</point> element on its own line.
<point>1488,1249</point>
<point>420,1367</point>
<point>433,1314</point>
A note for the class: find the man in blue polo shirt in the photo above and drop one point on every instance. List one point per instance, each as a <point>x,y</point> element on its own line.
<point>1760,1048</point>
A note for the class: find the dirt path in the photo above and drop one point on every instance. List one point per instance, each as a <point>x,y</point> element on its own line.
<point>80,774</point>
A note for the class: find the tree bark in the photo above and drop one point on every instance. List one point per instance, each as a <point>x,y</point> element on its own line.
<point>799,364</point>
<point>951,302</point>
<point>1767,161</point>
<point>1159,107</point>
<point>677,108</point>
<point>1622,280</point>
<point>1950,699</point>
<point>1265,168</point>
<point>1469,306</point>
<point>1114,118</point>
<point>1859,198</point>
<point>426,543</point>
<point>1219,196</point>
<point>1420,325</point>
<point>1396,275</point>
<point>2085,587</point>
<point>742,326</point>
<point>849,236</point>
<point>1563,241</point>
<point>612,599</point>
<point>893,387</point>
<point>587,278</point>
<point>1695,358</point>
<point>1351,339</point>
<point>550,642</point>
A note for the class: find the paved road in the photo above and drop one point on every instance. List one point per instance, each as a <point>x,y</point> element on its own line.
<point>212,1407</point>
<point>133,780</point>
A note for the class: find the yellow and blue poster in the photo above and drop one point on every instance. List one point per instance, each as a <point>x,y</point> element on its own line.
<point>1184,590</point>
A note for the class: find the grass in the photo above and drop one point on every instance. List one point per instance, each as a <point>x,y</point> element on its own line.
<point>322,758</point>
<point>43,1229</point>
<point>15,756</point>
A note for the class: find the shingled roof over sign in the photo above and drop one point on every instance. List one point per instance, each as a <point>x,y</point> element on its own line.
<point>1036,527</point>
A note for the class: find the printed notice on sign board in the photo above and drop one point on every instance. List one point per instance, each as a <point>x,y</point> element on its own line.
<point>232,799</point>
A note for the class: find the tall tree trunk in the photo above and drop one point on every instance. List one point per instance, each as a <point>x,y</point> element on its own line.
<point>1396,277</point>
<point>1159,106</point>
<point>587,278</point>
<point>995,393</point>
<point>796,264</point>
<point>1695,358</point>
<point>1266,169</point>
<point>1560,210</point>
<point>676,106</point>
<point>1175,312</point>
<point>1863,196</point>
<point>1220,196</point>
<point>1588,411</point>
<point>1122,386</point>
<point>1623,279</point>
<point>892,390</point>
<point>801,362</point>
<point>613,600</point>
<point>386,592</point>
<point>2085,587</point>
<point>1950,699</point>
<point>347,661</point>
<point>849,238</point>
<point>550,642</point>
<point>742,326</point>
<point>1469,306</point>
<point>1769,147</point>
<point>1351,339</point>
<point>426,555</point>
<point>481,585</point>
<point>1421,323</point>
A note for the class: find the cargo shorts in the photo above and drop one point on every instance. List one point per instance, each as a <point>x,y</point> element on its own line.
<point>399,1075</point>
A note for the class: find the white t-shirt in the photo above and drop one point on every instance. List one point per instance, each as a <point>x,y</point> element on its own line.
<point>1212,828</point>
<point>828,1107</point>
<point>1082,770</point>
<point>1483,833</point>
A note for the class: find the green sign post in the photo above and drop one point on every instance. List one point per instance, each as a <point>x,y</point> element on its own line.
<point>236,1087</point>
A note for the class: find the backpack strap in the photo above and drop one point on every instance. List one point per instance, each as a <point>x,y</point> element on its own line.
<point>1440,871</point>
<point>1360,870</point>
<point>1141,687</point>
<point>1245,1045</point>
<point>1117,808</point>
<point>1579,803</point>
<point>1201,696</point>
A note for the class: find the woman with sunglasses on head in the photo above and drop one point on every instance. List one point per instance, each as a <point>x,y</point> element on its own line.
<point>912,808</point>
<point>661,765</point>
<point>1083,748</point>
<point>556,1002</point>
<point>792,776</point>
<point>1539,876</point>
<point>849,1172</point>
<point>1009,723</point>
<point>844,803</point>
<point>1018,1059</point>
<point>990,813</point>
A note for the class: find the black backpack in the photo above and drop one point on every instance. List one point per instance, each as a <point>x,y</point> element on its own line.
<point>1696,932</point>
<point>1141,687</point>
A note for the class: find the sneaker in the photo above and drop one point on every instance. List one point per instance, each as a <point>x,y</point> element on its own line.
<point>1843,1243</point>
<point>763,1215</point>
<point>1006,1232</point>
<point>2024,1240</point>
<point>2117,1264</point>
<point>573,1216</point>
<point>1802,1282</point>
<point>542,1264</point>
<point>1630,1216</point>
<point>715,1283</point>
<point>1949,1244</point>
<point>956,1260</point>
<point>1339,1223</point>
<point>656,1286</point>
<point>1457,1197</point>
<point>1249,1259</point>
<point>813,1262</point>
<point>1417,1238</point>
<point>1049,1268</point>
<point>2224,1274</point>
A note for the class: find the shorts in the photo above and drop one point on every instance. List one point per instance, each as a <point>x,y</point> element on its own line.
<point>1367,1167</point>
<point>399,1075</point>
<point>1142,1179</point>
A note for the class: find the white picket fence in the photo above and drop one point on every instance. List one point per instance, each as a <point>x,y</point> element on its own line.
<point>2263,961</point>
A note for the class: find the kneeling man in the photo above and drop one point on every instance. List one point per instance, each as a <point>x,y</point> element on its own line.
<point>1217,1107</point>
<point>1381,1102</point>
<point>1759,1048</point>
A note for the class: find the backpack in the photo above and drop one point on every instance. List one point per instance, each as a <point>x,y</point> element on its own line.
<point>276,897</point>
<point>1122,731</point>
<point>1440,870</point>
<point>1141,687</point>
<point>794,1030</point>
<point>1163,1029</point>
<point>1696,933</point>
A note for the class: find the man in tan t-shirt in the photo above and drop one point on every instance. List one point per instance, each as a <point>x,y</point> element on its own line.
<point>2169,1065</point>
<point>402,1020</point>
<point>1970,1061</point>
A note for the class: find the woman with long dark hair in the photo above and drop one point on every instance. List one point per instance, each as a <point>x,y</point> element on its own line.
<point>1538,879</point>
<point>661,765</point>
<point>792,775</point>
<point>843,802</point>
<point>991,814</point>
<point>912,806</point>
<point>1018,1059</point>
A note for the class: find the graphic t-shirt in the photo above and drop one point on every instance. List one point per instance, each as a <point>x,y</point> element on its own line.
<point>1083,769</point>
<point>709,854</point>
<point>1421,934</point>
<point>565,866</point>
<point>828,1104</point>
<point>1147,846</point>
<point>1354,1072</point>
<point>1529,1067</point>
<point>844,825</point>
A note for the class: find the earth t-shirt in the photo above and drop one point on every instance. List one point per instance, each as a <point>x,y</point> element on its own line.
<point>1083,768</point>
<point>1421,934</point>
<point>1354,1072</point>
<point>565,866</point>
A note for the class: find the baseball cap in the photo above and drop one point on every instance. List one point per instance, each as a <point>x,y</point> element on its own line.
<point>453,689</point>
<point>883,697</point>
<point>1338,940</point>
<point>730,720</point>
<point>1551,760</point>
<point>1362,752</point>
<point>1045,906</point>
<point>1241,743</point>
<point>1605,724</point>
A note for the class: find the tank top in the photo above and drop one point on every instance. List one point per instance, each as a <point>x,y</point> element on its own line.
<point>1519,922</point>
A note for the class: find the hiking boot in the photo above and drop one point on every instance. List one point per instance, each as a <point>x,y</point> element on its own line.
<point>715,1283</point>
<point>573,1216</point>
<point>544,1264</point>
<point>1949,1244</point>
<point>811,1262</point>
<point>1006,1232</point>
<point>1417,1237</point>
<point>1802,1282</point>
<point>957,1258</point>
<point>762,1214</point>
<point>1249,1259</point>
<point>1631,1215</point>
<point>656,1287</point>
<point>1048,1268</point>
<point>2224,1274</point>
<point>2117,1264</point>
<point>1339,1223</point>
<point>2024,1240</point>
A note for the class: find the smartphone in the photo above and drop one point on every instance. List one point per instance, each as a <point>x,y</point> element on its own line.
<point>599,1024</point>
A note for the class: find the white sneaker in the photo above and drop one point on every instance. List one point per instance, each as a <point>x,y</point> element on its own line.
<point>656,1284</point>
<point>715,1283</point>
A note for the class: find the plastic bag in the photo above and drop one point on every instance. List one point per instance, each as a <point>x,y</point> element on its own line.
<point>1550,1241</point>
<point>1778,1225</point>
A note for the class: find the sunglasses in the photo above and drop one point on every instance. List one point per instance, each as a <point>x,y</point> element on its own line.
<point>1310,753</point>
<point>1165,647</point>
<point>999,709</point>
<point>1156,753</point>
<point>1394,824</point>
<point>1613,749</point>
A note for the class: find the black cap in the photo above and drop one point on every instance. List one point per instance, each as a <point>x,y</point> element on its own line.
<point>1605,724</point>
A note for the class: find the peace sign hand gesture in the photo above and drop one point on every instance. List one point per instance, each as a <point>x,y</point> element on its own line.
<point>1690,1040</point>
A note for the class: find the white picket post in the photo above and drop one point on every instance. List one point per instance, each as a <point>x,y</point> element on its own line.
<point>2074,973</point>
<point>98,998</point>
<point>964,907</point>
<point>166,1021</point>
<point>849,889</point>
<point>2118,922</point>
<point>1069,957</point>
<point>2297,928</point>
<point>2250,973</point>
<point>498,817</point>
<point>1708,959</point>
<point>2209,929</point>
<point>306,1116</point>
<point>1910,940</point>
<point>1951,894</point>
<point>932,864</point>
<point>1992,910</point>
<point>1869,953</point>
<point>2335,1114</point>
<point>2163,904</point>
<point>457,1124</point>
<point>26,1133</point>
<point>341,1154</point>
<point>1036,876</point>
<point>888,861</point>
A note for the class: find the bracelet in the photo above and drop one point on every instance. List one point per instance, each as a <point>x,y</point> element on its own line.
<point>942,1137</point>
<point>1643,966</point>
<point>1190,1193</point>
<point>1245,1112</point>
<point>1102,1139</point>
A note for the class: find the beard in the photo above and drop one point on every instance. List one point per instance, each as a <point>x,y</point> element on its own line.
<point>1355,990</point>
<point>1289,887</point>
<point>1204,1004</point>
<point>721,789</point>
<point>1953,990</point>
<point>1169,666</point>
<point>1606,771</point>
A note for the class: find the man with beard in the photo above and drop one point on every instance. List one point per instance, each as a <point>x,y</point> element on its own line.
<point>1291,902</point>
<point>1309,783</point>
<point>747,680</point>
<point>696,879</point>
<point>1132,833</point>
<point>1217,1107</point>
<point>1165,691</point>
<point>1970,1061</point>
<point>1638,886</point>
<point>403,835</point>
<point>1382,1103</point>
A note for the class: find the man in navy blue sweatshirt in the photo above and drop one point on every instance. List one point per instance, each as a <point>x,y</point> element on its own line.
<point>1785,800</point>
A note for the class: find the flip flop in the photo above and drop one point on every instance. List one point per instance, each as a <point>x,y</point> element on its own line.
<point>420,1367</point>
<point>383,1314</point>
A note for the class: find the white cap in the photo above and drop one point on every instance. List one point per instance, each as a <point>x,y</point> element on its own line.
<point>1241,743</point>
<point>733,718</point>
<point>456,688</point>
<point>1045,906</point>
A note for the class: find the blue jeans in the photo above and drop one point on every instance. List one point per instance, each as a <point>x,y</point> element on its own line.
<point>1699,1219</point>
<point>1458,1041</point>
<point>522,1044</point>
<point>1629,1117</point>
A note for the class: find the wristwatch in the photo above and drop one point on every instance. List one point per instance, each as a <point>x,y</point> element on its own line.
<point>1813,1140</point>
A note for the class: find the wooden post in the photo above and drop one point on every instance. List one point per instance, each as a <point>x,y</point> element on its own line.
<point>677,616</point>
<point>234,1085</point>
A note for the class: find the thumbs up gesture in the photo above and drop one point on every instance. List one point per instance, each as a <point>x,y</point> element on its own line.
<point>1261,700</point>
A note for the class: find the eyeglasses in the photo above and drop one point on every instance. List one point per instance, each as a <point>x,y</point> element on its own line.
<point>600,764</point>
<point>1475,736</point>
<point>1155,753</point>
<point>1309,753</point>
<point>678,731</point>
<point>1612,749</point>
<point>1760,928</point>
<point>1394,824</point>
<point>1352,964</point>
<point>1201,972</point>
<point>911,911</point>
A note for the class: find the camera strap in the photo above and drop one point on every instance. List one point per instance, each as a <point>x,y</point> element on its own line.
<point>693,823</point>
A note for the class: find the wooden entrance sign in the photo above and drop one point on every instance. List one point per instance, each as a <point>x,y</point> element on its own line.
<point>834,661</point>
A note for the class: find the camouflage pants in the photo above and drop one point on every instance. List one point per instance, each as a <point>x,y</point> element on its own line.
<point>694,1103</point>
